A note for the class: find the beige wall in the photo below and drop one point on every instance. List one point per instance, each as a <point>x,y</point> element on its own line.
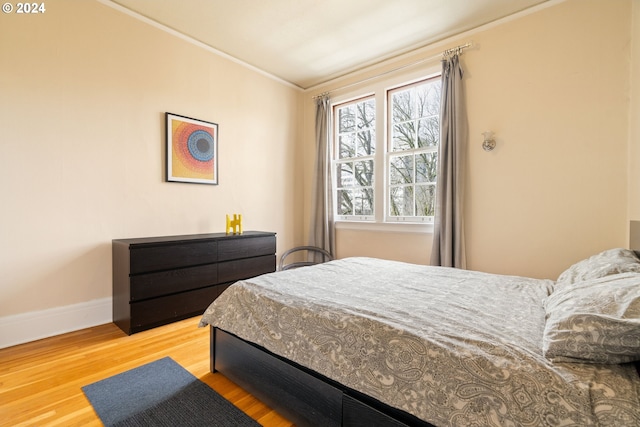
<point>83,91</point>
<point>554,87</point>
<point>634,146</point>
<point>399,246</point>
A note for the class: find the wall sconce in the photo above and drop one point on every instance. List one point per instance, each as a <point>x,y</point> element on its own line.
<point>489,142</point>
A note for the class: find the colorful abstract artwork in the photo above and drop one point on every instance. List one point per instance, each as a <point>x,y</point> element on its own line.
<point>192,150</point>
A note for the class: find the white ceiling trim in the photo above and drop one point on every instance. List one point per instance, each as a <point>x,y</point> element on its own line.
<point>337,79</point>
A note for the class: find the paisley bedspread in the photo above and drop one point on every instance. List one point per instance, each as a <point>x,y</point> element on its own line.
<point>452,347</point>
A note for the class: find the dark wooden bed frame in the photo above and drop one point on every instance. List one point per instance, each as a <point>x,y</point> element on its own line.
<point>305,397</point>
<point>301,395</point>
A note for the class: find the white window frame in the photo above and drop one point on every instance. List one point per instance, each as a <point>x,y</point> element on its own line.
<point>337,160</point>
<point>389,154</point>
<point>379,89</point>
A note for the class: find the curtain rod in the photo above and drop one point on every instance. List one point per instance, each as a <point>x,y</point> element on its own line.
<point>443,54</point>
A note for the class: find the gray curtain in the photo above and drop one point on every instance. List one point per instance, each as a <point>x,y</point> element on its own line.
<point>322,233</point>
<point>448,237</point>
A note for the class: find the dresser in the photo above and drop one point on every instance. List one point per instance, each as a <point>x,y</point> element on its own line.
<point>159,280</point>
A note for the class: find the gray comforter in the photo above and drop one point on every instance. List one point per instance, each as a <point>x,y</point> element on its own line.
<point>452,347</point>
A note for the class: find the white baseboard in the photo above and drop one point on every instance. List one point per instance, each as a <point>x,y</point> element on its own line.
<point>35,325</point>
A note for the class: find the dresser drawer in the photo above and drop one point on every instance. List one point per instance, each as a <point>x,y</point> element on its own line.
<point>164,257</point>
<point>172,281</point>
<point>162,310</point>
<point>230,271</point>
<point>234,248</point>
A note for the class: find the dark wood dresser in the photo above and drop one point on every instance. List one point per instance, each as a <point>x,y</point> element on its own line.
<point>159,280</point>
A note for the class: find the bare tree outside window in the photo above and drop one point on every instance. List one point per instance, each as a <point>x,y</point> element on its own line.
<point>406,162</point>
<point>356,138</point>
<point>413,158</point>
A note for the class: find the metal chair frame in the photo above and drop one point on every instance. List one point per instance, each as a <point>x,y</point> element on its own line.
<point>310,249</point>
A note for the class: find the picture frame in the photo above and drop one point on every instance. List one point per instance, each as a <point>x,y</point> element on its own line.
<point>192,150</point>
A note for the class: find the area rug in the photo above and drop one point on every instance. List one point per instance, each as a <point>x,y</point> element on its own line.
<point>161,393</point>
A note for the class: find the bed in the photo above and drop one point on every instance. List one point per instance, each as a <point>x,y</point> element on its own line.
<point>362,342</point>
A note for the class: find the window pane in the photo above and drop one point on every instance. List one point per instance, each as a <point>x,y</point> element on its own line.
<point>426,167</point>
<point>425,200</point>
<point>421,100</point>
<point>345,175</point>
<point>402,106</point>
<point>366,143</point>
<point>347,119</point>
<point>345,202</point>
<point>428,132</point>
<point>401,170</point>
<point>401,201</point>
<point>428,99</point>
<point>364,173</point>
<point>433,96</point>
<point>347,146</point>
<point>404,136</point>
<point>366,114</point>
<point>363,202</point>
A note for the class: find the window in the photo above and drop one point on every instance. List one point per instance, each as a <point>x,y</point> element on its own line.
<point>356,146</point>
<point>412,162</point>
<point>395,180</point>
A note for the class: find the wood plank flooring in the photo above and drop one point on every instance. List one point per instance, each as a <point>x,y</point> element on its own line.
<point>40,382</point>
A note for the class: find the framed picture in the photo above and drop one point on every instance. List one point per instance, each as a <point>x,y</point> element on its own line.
<point>192,150</point>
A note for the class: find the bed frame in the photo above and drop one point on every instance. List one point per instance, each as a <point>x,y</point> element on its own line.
<point>634,237</point>
<point>305,397</point>
<point>301,395</point>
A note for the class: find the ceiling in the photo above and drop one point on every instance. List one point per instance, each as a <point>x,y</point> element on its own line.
<point>308,42</point>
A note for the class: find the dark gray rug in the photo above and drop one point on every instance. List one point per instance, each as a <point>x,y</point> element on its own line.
<point>162,393</point>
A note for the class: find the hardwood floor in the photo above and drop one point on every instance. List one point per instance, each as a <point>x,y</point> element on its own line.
<point>40,382</point>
